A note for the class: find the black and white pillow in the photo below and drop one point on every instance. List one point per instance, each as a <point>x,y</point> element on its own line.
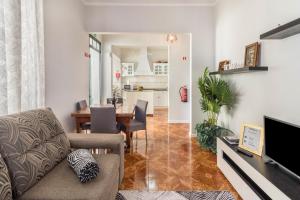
<point>83,164</point>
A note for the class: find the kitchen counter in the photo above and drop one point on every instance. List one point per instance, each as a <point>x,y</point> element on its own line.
<point>130,98</point>
<point>147,90</point>
<point>157,89</point>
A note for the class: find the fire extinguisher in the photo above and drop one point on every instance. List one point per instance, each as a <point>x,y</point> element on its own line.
<point>183,94</point>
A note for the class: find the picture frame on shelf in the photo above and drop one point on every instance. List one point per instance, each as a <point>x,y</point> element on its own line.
<point>252,52</point>
<point>252,139</point>
<point>222,65</point>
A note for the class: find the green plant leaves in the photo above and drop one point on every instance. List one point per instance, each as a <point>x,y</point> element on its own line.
<point>215,93</point>
<point>207,135</point>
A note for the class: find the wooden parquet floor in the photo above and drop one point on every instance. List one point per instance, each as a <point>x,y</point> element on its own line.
<point>171,160</point>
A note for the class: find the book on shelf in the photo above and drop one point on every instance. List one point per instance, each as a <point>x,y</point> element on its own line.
<point>231,139</point>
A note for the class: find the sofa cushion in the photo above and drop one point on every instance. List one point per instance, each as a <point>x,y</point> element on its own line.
<point>31,143</point>
<point>5,187</point>
<point>62,184</point>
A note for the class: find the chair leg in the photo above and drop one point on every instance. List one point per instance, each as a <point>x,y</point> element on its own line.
<point>136,135</point>
<point>136,139</point>
<point>146,136</point>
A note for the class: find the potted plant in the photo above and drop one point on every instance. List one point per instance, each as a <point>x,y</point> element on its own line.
<point>116,93</point>
<point>215,93</point>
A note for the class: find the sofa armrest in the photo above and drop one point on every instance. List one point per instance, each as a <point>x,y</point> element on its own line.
<point>114,142</point>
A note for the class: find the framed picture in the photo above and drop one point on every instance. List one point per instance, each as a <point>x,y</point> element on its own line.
<point>222,64</point>
<point>252,55</point>
<point>252,138</point>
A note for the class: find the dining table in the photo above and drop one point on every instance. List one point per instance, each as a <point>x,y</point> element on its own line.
<point>123,115</point>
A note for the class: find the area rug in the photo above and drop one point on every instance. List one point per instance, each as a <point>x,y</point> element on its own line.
<point>173,195</point>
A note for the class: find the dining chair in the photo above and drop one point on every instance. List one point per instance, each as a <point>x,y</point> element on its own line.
<point>82,105</point>
<point>119,100</point>
<point>103,120</point>
<point>140,118</point>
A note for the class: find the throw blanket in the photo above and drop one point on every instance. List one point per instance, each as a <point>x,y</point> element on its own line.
<point>83,164</point>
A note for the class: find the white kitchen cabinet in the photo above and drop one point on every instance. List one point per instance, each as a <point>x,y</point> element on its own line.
<point>127,69</point>
<point>160,69</point>
<point>131,97</point>
<point>160,98</point>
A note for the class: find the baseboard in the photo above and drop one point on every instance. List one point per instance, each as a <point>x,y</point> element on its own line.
<point>193,135</point>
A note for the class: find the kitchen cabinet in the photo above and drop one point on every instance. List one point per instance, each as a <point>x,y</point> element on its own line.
<point>160,98</point>
<point>160,69</point>
<point>130,98</point>
<point>127,69</point>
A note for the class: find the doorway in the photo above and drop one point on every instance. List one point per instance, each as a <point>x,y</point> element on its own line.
<point>177,65</point>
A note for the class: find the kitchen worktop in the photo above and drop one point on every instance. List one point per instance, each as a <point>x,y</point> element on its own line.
<point>147,90</point>
<point>130,98</point>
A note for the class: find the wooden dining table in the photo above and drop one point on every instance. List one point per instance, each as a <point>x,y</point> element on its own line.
<point>123,115</point>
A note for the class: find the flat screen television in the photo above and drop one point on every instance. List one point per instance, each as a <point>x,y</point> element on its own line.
<point>282,144</point>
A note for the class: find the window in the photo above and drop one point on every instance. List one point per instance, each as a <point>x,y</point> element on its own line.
<point>95,44</point>
<point>95,71</point>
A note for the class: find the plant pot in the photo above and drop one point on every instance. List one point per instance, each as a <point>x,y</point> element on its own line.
<point>207,135</point>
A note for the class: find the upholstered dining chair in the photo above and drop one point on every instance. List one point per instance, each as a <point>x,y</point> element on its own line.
<point>119,100</point>
<point>140,118</point>
<point>103,120</point>
<point>82,105</point>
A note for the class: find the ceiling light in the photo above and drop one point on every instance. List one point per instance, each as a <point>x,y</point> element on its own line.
<point>171,38</point>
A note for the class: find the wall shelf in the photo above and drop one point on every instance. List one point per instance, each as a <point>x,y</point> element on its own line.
<point>284,31</point>
<point>240,70</point>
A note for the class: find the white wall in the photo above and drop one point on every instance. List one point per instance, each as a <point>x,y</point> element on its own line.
<point>179,70</point>
<point>156,55</point>
<point>179,75</point>
<point>276,92</point>
<point>67,74</point>
<point>199,21</point>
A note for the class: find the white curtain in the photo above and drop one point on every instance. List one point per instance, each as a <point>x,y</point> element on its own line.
<point>22,67</point>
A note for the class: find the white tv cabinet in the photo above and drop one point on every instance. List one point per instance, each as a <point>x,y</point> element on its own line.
<point>252,178</point>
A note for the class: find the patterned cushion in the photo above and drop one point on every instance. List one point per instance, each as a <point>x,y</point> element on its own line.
<point>84,165</point>
<point>31,143</point>
<point>5,187</point>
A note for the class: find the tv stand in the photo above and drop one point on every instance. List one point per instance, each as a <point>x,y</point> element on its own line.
<point>272,163</point>
<point>253,178</point>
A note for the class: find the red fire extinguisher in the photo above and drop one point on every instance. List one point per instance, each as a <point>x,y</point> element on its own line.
<point>183,94</point>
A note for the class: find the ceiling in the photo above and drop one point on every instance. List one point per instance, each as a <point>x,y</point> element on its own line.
<point>150,2</point>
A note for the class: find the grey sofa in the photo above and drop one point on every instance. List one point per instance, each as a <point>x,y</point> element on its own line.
<point>33,166</point>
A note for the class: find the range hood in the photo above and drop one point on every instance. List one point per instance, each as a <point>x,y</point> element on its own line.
<point>143,66</point>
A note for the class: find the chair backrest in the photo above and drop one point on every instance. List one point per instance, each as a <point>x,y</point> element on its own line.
<point>82,105</point>
<point>109,100</point>
<point>118,100</point>
<point>140,110</point>
<point>103,120</point>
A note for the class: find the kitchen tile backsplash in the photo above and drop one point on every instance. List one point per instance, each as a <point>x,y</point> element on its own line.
<point>146,81</point>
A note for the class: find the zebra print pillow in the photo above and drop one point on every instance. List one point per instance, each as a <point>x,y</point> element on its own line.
<point>83,164</point>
